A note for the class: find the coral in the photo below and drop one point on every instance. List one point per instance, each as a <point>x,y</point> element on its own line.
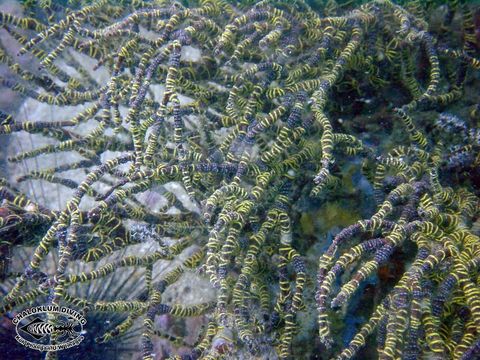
<point>244,121</point>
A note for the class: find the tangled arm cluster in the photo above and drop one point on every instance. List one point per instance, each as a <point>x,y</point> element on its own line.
<point>250,129</point>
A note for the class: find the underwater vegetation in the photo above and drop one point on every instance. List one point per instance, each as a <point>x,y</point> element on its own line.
<point>313,168</point>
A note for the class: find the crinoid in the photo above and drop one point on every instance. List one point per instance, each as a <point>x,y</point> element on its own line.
<point>246,179</point>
